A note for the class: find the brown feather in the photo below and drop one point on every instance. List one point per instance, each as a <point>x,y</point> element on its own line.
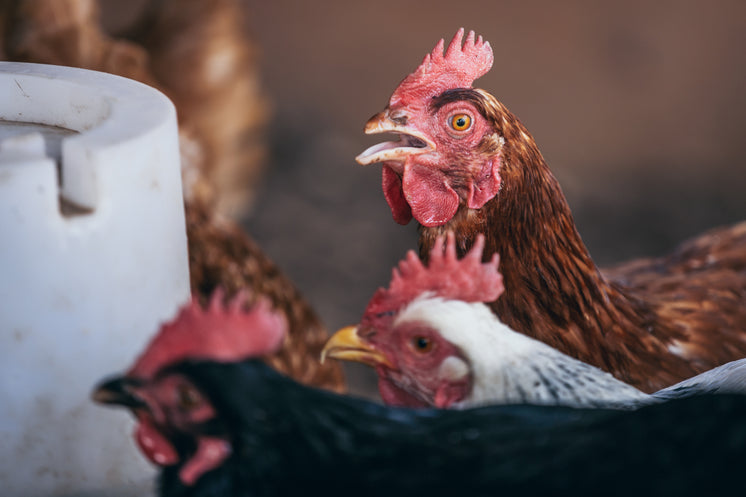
<point>201,56</point>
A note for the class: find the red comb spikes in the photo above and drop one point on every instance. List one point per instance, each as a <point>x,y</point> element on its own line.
<point>468,279</point>
<point>458,68</point>
<point>223,333</point>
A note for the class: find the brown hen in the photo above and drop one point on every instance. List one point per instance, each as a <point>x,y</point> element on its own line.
<point>198,54</point>
<point>466,164</point>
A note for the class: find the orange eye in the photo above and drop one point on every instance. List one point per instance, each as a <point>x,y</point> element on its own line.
<point>461,122</point>
<point>422,344</point>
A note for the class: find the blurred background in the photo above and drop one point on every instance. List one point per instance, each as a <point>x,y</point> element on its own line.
<point>639,108</point>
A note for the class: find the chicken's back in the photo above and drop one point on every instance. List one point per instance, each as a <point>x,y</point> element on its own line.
<point>699,289</point>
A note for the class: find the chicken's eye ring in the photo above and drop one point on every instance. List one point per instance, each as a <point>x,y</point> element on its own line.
<point>422,344</point>
<point>460,122</point>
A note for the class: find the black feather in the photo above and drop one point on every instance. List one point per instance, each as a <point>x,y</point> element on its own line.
<point>289,439</point>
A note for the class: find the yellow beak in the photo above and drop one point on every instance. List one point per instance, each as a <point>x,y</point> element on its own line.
<point>347,345</point>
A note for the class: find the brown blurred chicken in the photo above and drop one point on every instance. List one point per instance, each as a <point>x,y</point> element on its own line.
<point>197,52</point>
<point>223,255</point>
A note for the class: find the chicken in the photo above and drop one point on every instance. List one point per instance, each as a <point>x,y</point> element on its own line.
<point>219,422</point>
<point>465,163</point>
<point>177,46</point>
<point>435,343</point>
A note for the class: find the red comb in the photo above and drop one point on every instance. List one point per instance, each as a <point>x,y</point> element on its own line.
<point>218,332</point>
<point>468,279</point>
<point>458,68</point>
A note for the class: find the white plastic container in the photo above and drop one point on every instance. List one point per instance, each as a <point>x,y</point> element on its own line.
<point>93,257</point>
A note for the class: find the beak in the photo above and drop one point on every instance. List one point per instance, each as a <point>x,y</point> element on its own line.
<point>412,141</point>
<point>347,345</point>
<point>119,391</point>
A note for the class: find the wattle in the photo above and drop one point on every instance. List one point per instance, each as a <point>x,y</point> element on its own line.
<point>392,190</point>
<point>422,193</point>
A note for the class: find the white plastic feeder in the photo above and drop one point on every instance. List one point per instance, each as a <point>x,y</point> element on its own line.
<point>93,257</point>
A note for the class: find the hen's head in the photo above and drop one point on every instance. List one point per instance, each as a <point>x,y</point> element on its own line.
<point>412,332</point>
<point>178,423</point>
<point>454,138</point>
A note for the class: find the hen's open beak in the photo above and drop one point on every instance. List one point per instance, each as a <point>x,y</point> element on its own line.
<point>347,345</point>
<point>118,391</point>
<point>412,141</point>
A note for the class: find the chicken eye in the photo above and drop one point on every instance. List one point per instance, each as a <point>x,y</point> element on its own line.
<point>422,344</point>
<point>188,397</point>
<point>460,122</point>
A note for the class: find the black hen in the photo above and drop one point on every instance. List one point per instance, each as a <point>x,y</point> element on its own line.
<point>224,426</point>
